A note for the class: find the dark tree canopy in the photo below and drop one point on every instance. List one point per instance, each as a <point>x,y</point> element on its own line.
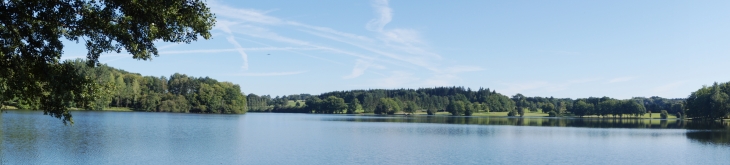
<point>31,45</point>
<point>710,102</point>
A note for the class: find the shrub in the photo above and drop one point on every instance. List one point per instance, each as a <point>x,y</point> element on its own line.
<point>553,114</point>
<point>391,112</point>
<point>511,113</point>
<point>521,111</point>
<point>431,112</point>
<point>468,112</point>
<point>664,114</point>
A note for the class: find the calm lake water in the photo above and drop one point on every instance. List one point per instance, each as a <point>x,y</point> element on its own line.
<point>28,137</point>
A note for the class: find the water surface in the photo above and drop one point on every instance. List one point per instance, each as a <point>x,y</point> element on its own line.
<point>263,138</point>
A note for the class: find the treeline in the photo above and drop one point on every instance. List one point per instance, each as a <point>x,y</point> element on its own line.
<point>117,88</point>
<point>603,106</point>
<point>461,101</point>
<point>711,102</point>
<point>426,99</point>
<point>607,106</point>
<point>266,103</point>
<point>390,101</point>
<point>179,93</point>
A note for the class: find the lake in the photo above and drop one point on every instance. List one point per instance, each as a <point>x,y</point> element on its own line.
<point>28,137</point>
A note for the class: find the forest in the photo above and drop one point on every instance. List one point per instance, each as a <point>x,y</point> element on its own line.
<point>179,93</point>
<point>710,102</point>
<point>186,94</point>
<point>461,101</point>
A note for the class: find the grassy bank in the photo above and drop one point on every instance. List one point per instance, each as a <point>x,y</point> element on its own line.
<point>293,103</point>
<point>120,109</point>
<point>540,114</point>
<point>645,116</point>
<point>491,114</point>
<point>117,109</point>
<point>8,107</point>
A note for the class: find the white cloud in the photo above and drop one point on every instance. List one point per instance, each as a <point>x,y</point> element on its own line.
<point>240,51</point>
<point>386,49</point>
<point>359,69</point>
<point>408,41</point>
<point>402,36</point>
<point>410,54</point>
<point>331,31</point>
<point>224,25</point>
<point>377,50</point>
<point>245,15</point>
<point>384,16</point>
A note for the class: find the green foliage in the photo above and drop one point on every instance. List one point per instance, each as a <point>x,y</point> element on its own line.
<point>157,94</point>
<point>500,103</point>
<point>520,104</point>
<point>548,107</point>
<point>469,108</point>
<point>354,106</point>
<point>581,108</point>
<point>426,98</point>
<point>512,113</point>
<point>656,104</point>
<point>329,105</point>
<point>381,109</point>
<point>468,112</point>
<point>334,104</point>
<point>174,103</point>
<point>31,47</point>
<point>431,111</point>
<point>709,102</point>
<point>447,98</point>
<point>607,106</point>
<point>677,108</point>
<point>520,111</point>
<point>411,107</point>
<point>456,108</point>
<point>314,104</point>
<point>389,106</point>
<point>664,114</point>
<point>552,114</point>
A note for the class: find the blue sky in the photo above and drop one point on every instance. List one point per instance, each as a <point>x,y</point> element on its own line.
<point>573,49</point>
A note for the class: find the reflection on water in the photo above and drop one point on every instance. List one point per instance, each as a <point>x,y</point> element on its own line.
<point>28,137</point>
<point>703,131</point>
<point>544,121</point>
<point>710,137</point>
